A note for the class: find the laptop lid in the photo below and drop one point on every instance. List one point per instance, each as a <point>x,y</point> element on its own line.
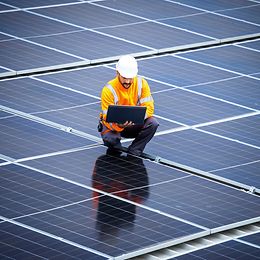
<point>120,114</point>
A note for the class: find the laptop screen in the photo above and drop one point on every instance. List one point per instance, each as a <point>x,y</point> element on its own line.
<point>120,114</point>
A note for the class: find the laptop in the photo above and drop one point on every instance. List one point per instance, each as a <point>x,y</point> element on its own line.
<point>120,114</point>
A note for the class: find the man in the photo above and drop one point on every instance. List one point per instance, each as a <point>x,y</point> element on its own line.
<point>128,89</point>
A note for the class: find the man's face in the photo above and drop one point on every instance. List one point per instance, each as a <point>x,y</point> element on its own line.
<point>125,82</point>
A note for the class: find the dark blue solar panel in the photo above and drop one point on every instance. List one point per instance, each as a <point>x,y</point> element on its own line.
<point>247,173</point>
<point>202,151</point>
<point>2,70</point>
<point>5,7</point>
<point>4,37</point>
<point>29,95</point>
<point>155,10</point>
<point>4,114</point>
<point>32,3</point>
<point>216,5</point>
<point>253,239</point>
<point>212,25</point>
<point>253,44</point>
<point>113,227</point>
<point>156,186</point>
<point>190,108</point>
<point>144,33</point>
<point>90,80</point>
<point>26,24</point>
<point>20,243</point>
<point>244,130</point>
<point>94,45</point>
<point>241,90</point>
<point>83,118</point>
<point>80,167</point>
<point>176,71</point>
<point>229,57</point>
<point>226,251</point>
<point>250,14</point>
<point>89,16</point>
<point>203,202</point>
<point>22,138</point>
<point>20,55</point>
<point>24,191</point>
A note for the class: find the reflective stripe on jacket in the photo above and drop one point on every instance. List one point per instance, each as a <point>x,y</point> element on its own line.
<point>115,94</point>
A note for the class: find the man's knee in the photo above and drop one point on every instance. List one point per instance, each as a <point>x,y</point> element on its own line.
<point>111,139</point>
<point>152,123</point>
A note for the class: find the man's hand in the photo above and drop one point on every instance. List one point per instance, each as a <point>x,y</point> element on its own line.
<point>126,124</point>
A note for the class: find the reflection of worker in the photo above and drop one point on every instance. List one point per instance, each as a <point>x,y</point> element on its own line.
<point>127,89</point>
<point>125,177</point>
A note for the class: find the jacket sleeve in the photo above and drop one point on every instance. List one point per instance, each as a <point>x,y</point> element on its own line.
<point>107,99</point>
<point>147,99</point>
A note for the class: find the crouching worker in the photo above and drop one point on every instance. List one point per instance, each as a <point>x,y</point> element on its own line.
<point>127,89</point>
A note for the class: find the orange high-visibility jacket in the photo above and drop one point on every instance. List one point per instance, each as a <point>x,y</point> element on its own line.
<point>115,94</point>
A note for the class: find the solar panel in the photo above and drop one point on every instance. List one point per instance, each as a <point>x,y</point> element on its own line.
<point>30,56</point>
<point>88,15</point>
<point>237,90</point>
<point>29,25</point>
<point>245,130</point>
<point>31,3</point>
<point>174,193</point>
<point>253,239</point>
<point>19,242</point>
<point>228,250</point>
<point>216,5</point>
<point>252,44</point>
<point>202,22</point>
<point>249,14</point>
<point>229,58</point>
<point>66,197</point>
<point>22,138</point>
<point>29,95</point>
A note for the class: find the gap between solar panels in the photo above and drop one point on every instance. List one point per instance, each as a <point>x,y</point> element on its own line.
<point>145,54</point>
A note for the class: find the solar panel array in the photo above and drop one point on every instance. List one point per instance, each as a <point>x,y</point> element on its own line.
<point>60,190</point>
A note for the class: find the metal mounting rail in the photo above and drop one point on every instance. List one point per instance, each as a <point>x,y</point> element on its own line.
<point>149,53</point>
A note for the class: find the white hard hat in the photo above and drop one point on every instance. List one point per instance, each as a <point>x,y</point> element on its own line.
<point>127,66</point>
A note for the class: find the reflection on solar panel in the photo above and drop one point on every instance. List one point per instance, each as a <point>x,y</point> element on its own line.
<point>62,195</point>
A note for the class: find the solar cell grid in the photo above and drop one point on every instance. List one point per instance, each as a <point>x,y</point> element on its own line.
<point>229,58</point>
<point>228,250</point>
<point>190,108</point>
<point>22,138</point>
<point>155,10</point>
<point>250,14</point>
<point>158,187</point>
<point>24,191</point>
<point>252,44</point>
<point>19,242</point>
<point>202,150</point>
<point>215,5</point>
<point>88,15</point>
<point>179,72</point>
<point>243,91</point>
<point>86,204</point>
<point>200,23</point>
<point>21,55</point>
<point>245,130</point>
<point>30,96</point>
<point>253,239</point>
<point>31,3</point>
